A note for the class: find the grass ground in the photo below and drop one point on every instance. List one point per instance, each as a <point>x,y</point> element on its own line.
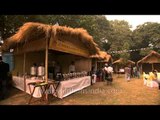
<point>120,92</point>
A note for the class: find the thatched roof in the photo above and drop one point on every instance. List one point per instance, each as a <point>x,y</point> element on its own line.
<point>152,57</point>
<point>102,55</point>
<point>34,31</point>
<point>121,60</point>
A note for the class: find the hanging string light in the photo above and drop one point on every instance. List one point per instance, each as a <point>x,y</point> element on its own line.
<point>132,50</point>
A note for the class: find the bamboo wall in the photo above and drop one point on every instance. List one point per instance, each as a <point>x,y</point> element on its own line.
<point>32,57</point>
<point>81,63</point>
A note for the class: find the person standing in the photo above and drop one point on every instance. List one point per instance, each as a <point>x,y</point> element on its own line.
<point>57,68</point>
<point>154,77</point>
<point>93,75</point>
<point>4,71</point>
<point>135,72</point>
<point>106,73</point>
<point>110,72</point>
<point>72,67</point>
<point>138,72</point>
<point>127,73</point>
<point>58,72</point>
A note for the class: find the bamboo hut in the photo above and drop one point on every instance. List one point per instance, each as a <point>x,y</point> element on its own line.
<point>100,59</point>
<point>41,43</point>
<point>121,63</point>
<point>150,62</point>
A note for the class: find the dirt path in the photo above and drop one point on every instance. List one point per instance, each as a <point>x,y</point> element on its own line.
<point>119,93</point>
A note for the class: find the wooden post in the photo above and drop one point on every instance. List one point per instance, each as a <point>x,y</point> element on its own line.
<point>46,58</point>
<point>96,64</point>
<point>46,62</point>
<point>152,67</point>
<point>24,70</point>
<point>46,66</point>
<point>46,53</point>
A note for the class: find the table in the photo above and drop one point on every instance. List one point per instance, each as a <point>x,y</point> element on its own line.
<point>68,87</point>
<point>64,88</point>
<point>18,82</point>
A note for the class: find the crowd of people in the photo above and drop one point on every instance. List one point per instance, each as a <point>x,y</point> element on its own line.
<point>105,73</point>
<point>131,72</point>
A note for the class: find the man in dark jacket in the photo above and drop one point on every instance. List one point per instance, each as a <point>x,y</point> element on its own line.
<point>4,70</point>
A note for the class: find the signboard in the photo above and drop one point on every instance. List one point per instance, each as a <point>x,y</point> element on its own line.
<point>68,47</point>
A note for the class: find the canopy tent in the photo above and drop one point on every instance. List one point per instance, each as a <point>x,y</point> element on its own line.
<point>150,62</point>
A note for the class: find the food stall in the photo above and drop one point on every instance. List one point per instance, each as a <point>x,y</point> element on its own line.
<point>98,62</point>
<point>39,43</point>
<point>149,62</point>
<point>119,65</point>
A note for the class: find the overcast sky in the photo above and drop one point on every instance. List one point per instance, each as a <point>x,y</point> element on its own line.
<point>135,20</point>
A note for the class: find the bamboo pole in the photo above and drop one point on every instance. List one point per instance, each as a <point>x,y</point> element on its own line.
<point>46,66</point>
<point>152,67</point>
<point>24,70</point>
<point>96,64</point>
<point>46,62</point>
<point>46,58</point>
<point>46,54</point>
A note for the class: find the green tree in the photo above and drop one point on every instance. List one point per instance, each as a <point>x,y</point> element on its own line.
<point>147,35</point>
<point>96,25</point>
<point>10,23</point>
<point>120,38</point>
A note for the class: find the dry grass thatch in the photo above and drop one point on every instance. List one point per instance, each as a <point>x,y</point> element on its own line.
<point>102,55</point>
<point>28,32</point>
<point>121,61</point>
<point>33,31</point>
<point>152,57</point>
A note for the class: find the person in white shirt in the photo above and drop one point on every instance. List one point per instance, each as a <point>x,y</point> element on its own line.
<point>108,72</point>
<point>72,67</point>
<point>110,69</point>
<point>57,68</point>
